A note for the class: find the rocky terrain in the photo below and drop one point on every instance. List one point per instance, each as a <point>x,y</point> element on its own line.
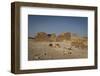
<point>56,50</point>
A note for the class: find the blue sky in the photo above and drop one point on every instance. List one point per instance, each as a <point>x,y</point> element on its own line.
<point>57,24</point>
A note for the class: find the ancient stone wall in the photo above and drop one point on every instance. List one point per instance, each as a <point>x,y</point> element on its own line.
<point>41,36</point>
<point>64,36</point>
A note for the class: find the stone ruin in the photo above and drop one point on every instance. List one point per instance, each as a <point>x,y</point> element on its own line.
<point>76,41</point>
<point>64,36</point>
<point>44,37</point>
<point>41,36</point>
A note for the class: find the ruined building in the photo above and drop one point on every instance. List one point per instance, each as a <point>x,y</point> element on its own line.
<point>64,36</point>
<point>41,36</point>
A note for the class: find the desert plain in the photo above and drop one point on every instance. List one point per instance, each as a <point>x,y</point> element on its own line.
<point>50,50</point>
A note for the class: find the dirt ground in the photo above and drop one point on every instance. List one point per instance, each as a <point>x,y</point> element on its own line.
<point>54,50</point>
